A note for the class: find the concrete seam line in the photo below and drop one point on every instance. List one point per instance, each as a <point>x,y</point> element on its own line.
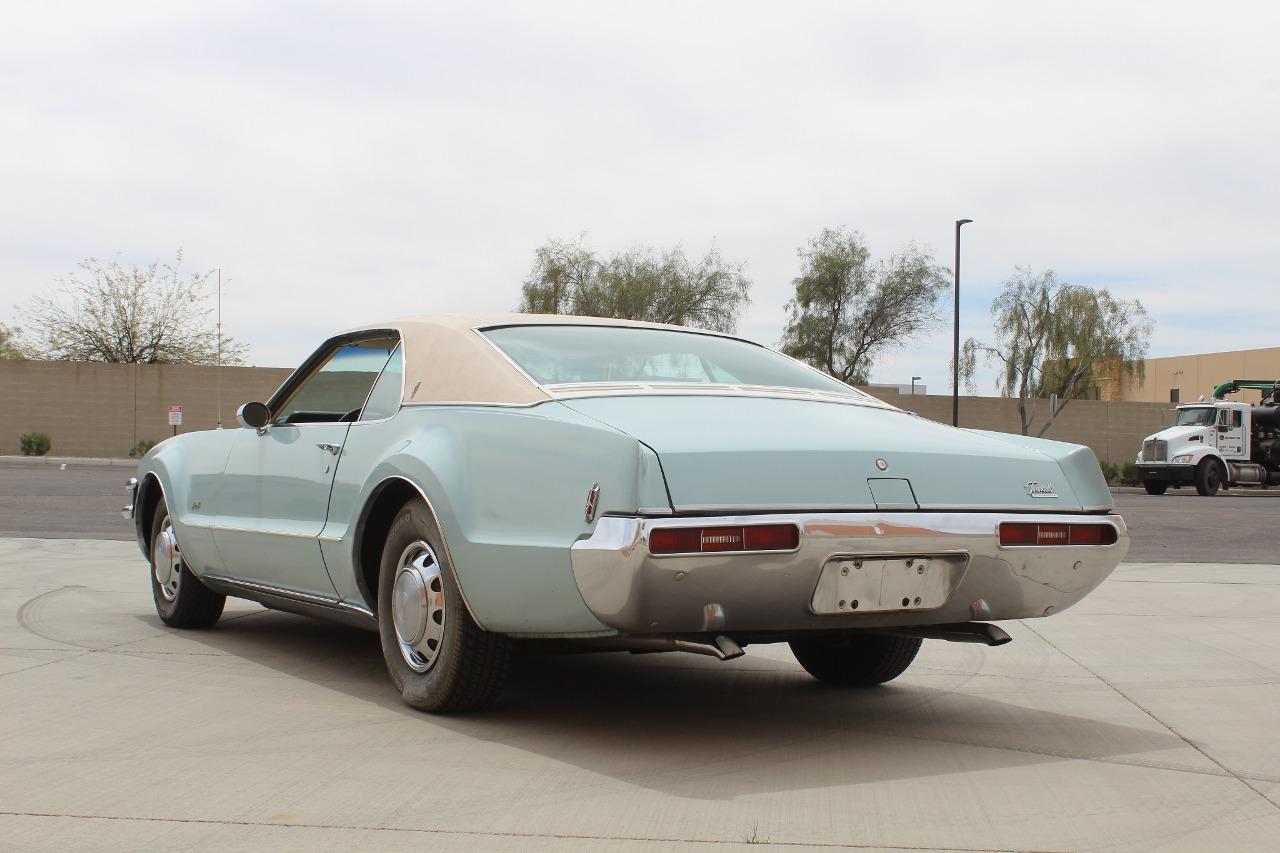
<point>1241,779</point>
<point>495,834</point>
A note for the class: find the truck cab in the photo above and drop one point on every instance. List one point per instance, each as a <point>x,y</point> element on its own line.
<point>1215,444</point>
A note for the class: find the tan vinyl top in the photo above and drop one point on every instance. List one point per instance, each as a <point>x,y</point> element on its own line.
<point>447,361</point>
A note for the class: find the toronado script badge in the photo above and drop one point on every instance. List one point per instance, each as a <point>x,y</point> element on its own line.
<point>1041,490</point>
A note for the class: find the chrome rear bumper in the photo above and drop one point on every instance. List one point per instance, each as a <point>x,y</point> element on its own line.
<point>635,592</point>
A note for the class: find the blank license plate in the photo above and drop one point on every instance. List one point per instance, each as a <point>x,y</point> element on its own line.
<point>880,584</point>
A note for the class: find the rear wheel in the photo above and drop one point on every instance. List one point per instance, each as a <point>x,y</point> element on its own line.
<point>1209,476</point>
<point>438,658</point>
<point>856,660</point>
<point>1155,488</point>
<point>181,600</point>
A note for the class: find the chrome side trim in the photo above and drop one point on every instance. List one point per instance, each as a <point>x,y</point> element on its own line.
<point>306,598</point>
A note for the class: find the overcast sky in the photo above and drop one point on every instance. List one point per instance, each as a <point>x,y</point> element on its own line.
<point>352,161</point>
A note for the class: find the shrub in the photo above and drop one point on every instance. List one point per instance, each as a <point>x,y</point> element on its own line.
<point>35,444</point>
<point>1111,472</point>
<point>1129,475</point>
<point>140,449</point>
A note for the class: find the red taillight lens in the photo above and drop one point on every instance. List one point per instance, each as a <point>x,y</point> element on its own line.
<point>771,537</point>
<point>704,540</point>
<point>674,540</point>
<point>1028,533</point>
<point>1093,534</point>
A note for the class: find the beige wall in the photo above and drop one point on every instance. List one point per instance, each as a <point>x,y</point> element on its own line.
<point>104,409</point>
<point>1113,430</point>
<point>1194,375</point>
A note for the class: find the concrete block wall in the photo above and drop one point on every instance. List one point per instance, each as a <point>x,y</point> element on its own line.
<point>103,410</point>
<point>1114,430</point>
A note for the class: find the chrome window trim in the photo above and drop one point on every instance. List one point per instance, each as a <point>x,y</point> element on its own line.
<point>314,362</point>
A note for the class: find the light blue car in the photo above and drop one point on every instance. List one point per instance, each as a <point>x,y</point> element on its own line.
<point>468,485</point>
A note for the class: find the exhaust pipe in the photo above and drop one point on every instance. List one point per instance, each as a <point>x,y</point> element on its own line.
<point>721,647</point>
<point>960,632</point>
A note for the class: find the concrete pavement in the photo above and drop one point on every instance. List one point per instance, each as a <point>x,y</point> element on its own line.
<point>1144,719</point>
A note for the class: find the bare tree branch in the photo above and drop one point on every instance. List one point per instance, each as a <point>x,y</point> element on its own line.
<point>130,314</point>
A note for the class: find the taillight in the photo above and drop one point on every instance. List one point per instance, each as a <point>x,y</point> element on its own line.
<point>706,540</point>
<point>1030,533</point>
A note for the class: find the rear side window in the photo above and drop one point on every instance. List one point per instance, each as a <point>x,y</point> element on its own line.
<point>384,399</point>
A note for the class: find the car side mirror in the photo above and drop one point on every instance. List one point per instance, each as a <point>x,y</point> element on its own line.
<point>253,415</point>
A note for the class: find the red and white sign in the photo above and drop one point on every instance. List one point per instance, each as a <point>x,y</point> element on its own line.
<point>175,416</point>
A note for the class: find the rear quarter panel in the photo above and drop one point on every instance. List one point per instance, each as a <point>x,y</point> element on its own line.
<point>509,487</point>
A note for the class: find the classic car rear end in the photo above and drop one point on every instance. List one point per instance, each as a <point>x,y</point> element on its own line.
<point>466,484</point>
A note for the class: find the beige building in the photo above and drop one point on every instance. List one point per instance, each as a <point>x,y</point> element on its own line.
<point>1183,378</point>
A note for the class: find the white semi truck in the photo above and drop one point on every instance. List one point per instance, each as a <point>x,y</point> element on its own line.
<point>1217,443</point>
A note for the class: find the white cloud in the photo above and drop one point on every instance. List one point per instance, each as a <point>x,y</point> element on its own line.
<point>345,163</point>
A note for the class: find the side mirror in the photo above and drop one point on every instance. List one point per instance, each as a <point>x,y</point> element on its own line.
<point>253,415</point>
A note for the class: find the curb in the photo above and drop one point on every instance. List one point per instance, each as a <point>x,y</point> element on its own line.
<point>65,461</point>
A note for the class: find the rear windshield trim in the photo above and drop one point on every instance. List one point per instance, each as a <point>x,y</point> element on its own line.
<point>638,385</point>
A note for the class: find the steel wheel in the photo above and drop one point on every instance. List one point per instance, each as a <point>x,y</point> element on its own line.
<point>418,606</point>
<point>166,561</point>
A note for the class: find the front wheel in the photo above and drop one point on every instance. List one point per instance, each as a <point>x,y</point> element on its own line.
<point>438,658</point>
<point>1155,487</point>
<point>1209,476</point>
<point>181,600</point>
<point>856,660</point>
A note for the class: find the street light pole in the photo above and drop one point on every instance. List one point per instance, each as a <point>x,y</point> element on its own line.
<point>955,349</point>
<point>218,370</point>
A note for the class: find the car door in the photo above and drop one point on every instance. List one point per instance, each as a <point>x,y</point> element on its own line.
<point>277,482</point>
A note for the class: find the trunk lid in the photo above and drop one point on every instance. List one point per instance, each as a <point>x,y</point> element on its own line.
<point>745,453</point>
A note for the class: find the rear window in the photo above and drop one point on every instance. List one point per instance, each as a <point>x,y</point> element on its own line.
<point>555,355</point>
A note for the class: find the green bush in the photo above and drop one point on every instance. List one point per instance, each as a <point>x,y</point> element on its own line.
<point>35,444</point>
<point>1129,475</point>
<point>140,449</point>
<point>1111,472</point>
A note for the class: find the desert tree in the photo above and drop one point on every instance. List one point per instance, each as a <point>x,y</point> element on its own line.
<point>849,309</point>
<point>1052,338</point>
<point>130,314</point>
<point>641,283</point>
<point>11,343</point>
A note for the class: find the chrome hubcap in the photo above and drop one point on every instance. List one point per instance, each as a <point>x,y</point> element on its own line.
<point>417,606</point>
<point>166,561</point>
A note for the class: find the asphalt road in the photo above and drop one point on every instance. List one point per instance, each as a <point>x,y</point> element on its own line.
<point>1142,719</point>
<point>1240,526</point>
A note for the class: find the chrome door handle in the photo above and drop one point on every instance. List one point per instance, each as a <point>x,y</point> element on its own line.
<point>332,448</point>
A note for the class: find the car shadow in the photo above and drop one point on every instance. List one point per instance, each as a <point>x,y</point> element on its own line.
<point>700,728</point>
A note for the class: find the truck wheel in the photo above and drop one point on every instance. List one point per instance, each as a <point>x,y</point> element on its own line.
<point>856,660</point>
<point>181,600</point>
<point>1155,488</point>
<point>1208,476</point>
<point>437,656</point>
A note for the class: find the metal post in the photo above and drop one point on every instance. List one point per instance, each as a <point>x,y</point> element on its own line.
<point>217,380</point>
<point>955,349</point>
